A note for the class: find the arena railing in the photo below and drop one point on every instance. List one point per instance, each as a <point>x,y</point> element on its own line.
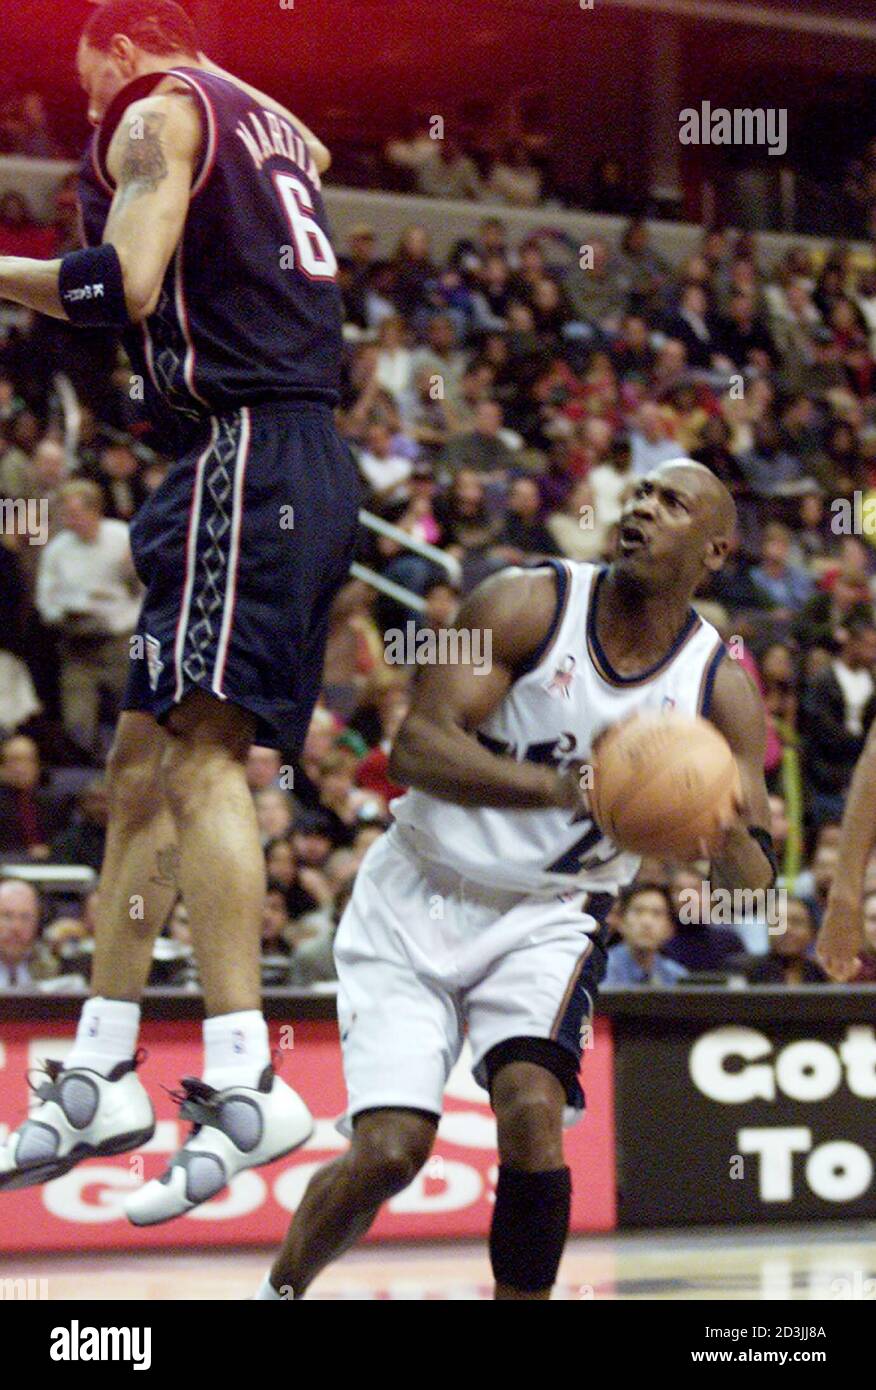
<point>446,221</point>
<point>51,878</point>
<point>404,596</point>
<point>448,563</point>
<point>449,222</point>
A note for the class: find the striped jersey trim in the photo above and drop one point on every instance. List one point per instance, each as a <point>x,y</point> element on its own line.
<point>237,506</point>
<point>191,561</point>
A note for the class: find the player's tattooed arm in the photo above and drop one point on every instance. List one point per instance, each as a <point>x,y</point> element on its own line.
<point>152,159</point>
<point>166,871</point>
<point>436,748</point>
<point>737,711</point>
<point>143,161</point>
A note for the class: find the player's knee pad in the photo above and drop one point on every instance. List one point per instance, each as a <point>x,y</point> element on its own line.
<point>530,1225</point>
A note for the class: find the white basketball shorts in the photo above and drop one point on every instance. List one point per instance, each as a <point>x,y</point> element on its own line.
<point>424,956</point>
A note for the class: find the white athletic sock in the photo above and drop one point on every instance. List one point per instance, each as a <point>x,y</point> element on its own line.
<point>106,1035</point>
<point>236,1049</point>
<point>267,1293</point>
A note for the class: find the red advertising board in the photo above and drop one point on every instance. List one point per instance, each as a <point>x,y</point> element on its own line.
<point>451,1197</point>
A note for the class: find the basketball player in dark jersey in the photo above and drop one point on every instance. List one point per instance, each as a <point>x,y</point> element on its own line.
<point>206,243</point>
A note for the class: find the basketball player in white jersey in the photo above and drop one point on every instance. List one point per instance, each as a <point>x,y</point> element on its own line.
<point>481,909</point>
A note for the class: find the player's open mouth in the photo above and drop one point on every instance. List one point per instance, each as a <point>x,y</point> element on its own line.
<point>632,538</point>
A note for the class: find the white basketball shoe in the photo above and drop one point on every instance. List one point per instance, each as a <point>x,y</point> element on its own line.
<point>234,1129</point>
<point>81,1114</point>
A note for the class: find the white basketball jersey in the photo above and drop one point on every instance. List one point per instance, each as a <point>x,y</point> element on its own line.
<point>552,714</point>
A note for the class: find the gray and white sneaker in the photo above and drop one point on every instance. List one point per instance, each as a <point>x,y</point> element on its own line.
<point>81,1114</point>
<point>234,1129</point>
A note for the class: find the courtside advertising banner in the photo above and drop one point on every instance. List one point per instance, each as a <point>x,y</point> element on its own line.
<point>745,1122</point>
<point>452,1196</point>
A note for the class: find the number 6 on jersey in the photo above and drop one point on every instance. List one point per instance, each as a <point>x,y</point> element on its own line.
<point>314,256</point>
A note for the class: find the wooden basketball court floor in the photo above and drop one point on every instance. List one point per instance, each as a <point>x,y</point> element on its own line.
<point>836,1261</point>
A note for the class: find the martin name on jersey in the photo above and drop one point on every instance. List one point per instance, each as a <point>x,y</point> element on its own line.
<point>553,713</point>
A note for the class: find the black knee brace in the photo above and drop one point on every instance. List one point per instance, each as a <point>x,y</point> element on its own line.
<point>530,1225</point>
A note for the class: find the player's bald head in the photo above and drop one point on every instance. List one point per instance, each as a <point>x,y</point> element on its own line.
<point>713,499</point>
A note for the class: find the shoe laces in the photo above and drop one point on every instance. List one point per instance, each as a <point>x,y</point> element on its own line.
<point>49,1089</point>
<point>46,1089</point>
<point>197,1102</point>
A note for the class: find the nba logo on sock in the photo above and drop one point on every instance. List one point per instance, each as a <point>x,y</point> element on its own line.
<point>94,1028</point>
<point>238,1042</point>
<point>668,702</point>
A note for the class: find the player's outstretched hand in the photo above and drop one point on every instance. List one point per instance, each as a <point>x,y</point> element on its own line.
<point>840,939</point>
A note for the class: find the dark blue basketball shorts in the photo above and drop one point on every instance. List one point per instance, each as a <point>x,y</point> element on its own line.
<point>242,549</point>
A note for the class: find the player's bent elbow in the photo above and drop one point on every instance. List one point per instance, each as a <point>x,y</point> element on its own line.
<point>140,289</point>
<point>141,302</point>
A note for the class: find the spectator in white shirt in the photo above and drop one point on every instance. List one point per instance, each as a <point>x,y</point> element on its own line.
<point>414,152</point>
<point>394,357</point>
<point>577,530</point>
<point>87,589</point>
<point>854,674</point>
<point>610,482</point>
<point>385,472</point>
<point>447,172</point>
<point>515,180</point>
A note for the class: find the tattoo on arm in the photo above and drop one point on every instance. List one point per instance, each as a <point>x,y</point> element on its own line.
<point>143,163</point>
<point>166,867</point>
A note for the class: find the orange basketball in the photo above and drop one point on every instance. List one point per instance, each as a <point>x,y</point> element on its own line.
<point>662,783</point>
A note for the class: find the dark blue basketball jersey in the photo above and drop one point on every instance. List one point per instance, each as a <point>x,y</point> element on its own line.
<point>249,309</point>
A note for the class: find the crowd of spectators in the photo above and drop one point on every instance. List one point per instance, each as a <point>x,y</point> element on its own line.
<point>500,401</point>
<point>506,151</point>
